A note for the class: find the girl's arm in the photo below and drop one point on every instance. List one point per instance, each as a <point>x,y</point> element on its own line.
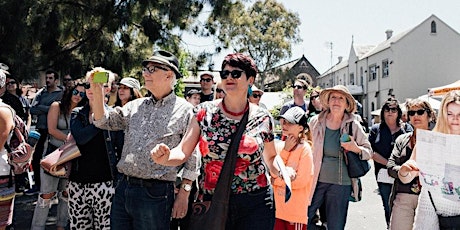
<point>53,117</point>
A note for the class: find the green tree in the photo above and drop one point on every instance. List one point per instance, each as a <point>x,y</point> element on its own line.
<point>73,36</point>
<point>266,31</point>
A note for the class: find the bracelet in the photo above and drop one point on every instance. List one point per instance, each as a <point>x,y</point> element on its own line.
<point>402,175</point>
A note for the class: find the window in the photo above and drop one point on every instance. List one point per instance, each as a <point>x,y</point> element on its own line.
<point>361,73</point>
<point>433,27</point>
<point>352,78</point>
<point>385,68</point>
<point>372,72</point>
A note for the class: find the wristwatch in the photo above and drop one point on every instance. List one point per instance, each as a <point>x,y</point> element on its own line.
<point>186,187</point>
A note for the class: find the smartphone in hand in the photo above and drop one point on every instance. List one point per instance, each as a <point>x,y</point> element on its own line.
<point>101,77</point>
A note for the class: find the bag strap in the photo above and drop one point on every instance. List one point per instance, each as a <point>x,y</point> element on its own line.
<point>431,199</point>
<point>222,191</point>
<point>350,128</point>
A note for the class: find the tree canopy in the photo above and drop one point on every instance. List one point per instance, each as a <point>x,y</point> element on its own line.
<point>266,31</point>
<point>73,36</point>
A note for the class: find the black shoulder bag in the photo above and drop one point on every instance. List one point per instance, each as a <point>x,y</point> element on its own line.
<point>446,222</point>
<point>213,214</point>
<point>355,166</point>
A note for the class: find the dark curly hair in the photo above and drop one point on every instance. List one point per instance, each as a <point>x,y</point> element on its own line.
<point>241,61</point>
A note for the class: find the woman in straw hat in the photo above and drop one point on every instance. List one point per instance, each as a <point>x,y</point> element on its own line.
<point>331,183</point>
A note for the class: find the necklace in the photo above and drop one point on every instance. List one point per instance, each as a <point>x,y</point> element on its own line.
<point>233,113</point>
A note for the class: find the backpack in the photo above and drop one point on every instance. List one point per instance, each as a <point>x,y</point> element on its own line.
<point>19,151</point>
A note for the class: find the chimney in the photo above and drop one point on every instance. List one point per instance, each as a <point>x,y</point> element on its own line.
<point>340,59</point>
<point>389,33</point>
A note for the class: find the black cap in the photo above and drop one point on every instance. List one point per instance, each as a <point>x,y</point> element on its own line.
<point>165,58</point>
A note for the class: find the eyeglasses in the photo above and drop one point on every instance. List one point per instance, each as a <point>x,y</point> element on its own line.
<point>314,97</point>
<point>219,90</point>
<point>206,79</point>
<point>298,87</point>
<point>153,68</point>
<point>11,83</point>
<point>67,79</point>
<point>419,112</point>
<point>235,74</point>
<point>255,95</point>
<point>76,92</point>
<point>393,110</point>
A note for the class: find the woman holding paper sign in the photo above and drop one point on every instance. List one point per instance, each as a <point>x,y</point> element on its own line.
<point>404,196</point>
<point>382,137</point>
<point>58,129</point>
<point>426,216</point>
<point>331,183</point>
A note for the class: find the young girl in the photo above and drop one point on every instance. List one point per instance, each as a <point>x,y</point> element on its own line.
<point>296,153</point>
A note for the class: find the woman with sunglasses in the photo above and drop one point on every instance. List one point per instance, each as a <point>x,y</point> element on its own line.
<point>314,107</point>
<point>404,196</point>
<point>382,137</point>
<point>13,87</point>
<point>251,201</point>
<point>426,216</point>
<point>300,89</point>
<point>256,95</point>
<point>54,187</point>
<point>220,93</point>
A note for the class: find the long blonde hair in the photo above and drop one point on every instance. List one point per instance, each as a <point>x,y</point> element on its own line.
<point>442,125</point>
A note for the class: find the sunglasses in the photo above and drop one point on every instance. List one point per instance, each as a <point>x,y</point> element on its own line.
<point>206,79</point>
<point>314,97</point>
<point>219,90</point>
<point>67,79</point>
<point>298,87</point>
<point>76,92</point>
<point>153,68</point>
<point>419,112</point>
<point>257,95</point>
<point>235,74</point>
<point>11,83</point>
<point>393,110</point>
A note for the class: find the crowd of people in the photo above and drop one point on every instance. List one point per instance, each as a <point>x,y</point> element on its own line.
<point>146,159</point>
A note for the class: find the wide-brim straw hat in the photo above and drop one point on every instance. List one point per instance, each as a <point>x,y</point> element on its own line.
<point>324,97</point>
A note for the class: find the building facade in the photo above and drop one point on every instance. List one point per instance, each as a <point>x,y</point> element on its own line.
<point>403,66</point>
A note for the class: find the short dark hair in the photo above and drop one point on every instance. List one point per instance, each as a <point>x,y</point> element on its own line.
<point>242,61</point>
<point>52,71</point>
<point>388,102</point>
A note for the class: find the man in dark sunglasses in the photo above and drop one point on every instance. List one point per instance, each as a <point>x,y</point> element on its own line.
<point>300,87</point>
<point>67,82</point>
<point>206,82</point>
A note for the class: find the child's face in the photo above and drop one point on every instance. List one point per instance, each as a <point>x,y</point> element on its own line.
<point>290,129</point>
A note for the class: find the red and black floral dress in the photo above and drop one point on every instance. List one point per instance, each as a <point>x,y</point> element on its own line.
<point>216,130</point>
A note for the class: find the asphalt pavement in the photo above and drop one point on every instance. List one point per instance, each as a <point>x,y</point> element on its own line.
<point>366,214</point>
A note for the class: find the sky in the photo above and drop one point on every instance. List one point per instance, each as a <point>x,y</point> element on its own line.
<point>341,21</point>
